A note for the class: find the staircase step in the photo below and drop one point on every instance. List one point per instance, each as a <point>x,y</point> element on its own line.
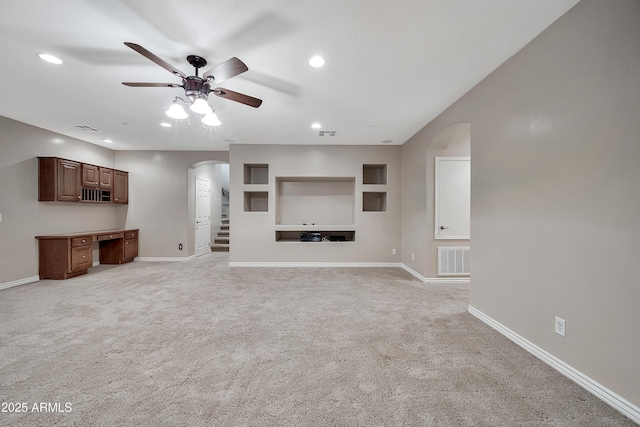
<point>219,248</point>
<point>222,240</point>
<point>223,233</point>
<point>224,227</point>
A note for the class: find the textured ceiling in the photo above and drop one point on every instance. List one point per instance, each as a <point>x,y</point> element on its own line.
<point>390,67</point>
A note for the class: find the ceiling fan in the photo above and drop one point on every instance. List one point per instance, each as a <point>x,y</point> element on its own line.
<point>197,88</point>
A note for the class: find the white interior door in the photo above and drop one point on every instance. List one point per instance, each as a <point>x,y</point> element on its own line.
<point>452,197</point>
<point>203,216</point>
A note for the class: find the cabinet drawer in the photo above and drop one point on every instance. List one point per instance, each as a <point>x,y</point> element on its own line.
<point>81,241</point>
<point>110,236</point>
<point>81,258</point>
<point>130,234</point>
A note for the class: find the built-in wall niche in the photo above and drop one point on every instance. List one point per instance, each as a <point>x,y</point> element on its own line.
<point>315,200</point>
<point>315,236</point>
<point>373,201</point>
<point>374,174</point>
<point>256,173</point>
<point>256,201</point>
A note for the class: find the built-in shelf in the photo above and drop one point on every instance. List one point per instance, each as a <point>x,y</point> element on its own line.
<point>256,201</point>
<point>256,173</point>
<point>315,236</point>
<point>374,201</point>
<point>374,174</point>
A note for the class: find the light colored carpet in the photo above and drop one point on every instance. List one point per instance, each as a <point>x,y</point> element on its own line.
<point>199,344</point>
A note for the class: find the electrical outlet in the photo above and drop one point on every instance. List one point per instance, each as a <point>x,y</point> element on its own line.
<point>393,251</point>
<point>560,327</point>
<point>413,256</point>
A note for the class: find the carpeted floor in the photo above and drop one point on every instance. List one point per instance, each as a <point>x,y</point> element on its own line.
<point>199,344</point>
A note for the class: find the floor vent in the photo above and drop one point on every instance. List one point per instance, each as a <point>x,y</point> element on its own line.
<point>84,128</point>
<point>327,133</point>
<point>453,261</point>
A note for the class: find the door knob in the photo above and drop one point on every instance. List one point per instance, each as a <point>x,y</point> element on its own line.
<point>442,227</point>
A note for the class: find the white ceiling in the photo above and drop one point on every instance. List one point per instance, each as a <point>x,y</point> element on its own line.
<point>391,67</point>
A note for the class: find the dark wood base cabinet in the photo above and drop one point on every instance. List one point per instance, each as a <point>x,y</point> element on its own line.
<point>63,256</point>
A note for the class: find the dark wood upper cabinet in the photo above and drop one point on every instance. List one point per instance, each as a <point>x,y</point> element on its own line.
<point>106,178</point>
<point>120,187</point>
<point>90,175</point>
<point>66,180</point>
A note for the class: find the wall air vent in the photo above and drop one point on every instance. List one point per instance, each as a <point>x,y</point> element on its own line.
<point>327,133</point>
<point>84,128</point>
<point>453,261</point>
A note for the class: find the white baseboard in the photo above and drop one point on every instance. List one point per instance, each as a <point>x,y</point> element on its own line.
<point>592,386</point>
<point>164,258</point>
<point>314,264</point>
<point>441,280</point>
<point>19,282</point>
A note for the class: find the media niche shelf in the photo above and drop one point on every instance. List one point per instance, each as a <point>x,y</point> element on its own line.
<point>256,201</point>
<point>310,236</point>
<point>256,173</point>
<point>374,174</point>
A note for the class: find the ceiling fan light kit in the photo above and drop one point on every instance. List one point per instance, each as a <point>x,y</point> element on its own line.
<point>200,106</point>
<point>197,88</point>
<point>176,111</point>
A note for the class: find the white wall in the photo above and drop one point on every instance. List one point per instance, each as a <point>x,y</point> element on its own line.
<point>554,206</point>
<point>253,233</point>
<point>23,217</point>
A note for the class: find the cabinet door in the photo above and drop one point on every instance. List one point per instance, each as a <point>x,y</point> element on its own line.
<point>68,181</point>
<point>90,175</point>
<point>130,248</point>
<point>121,187</point>
<point>106,178</point>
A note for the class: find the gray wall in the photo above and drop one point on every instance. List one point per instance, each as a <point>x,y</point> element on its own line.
<point>23,217</point>
<point>253,233</point>
<point>160,197</point>
<point>554,208</point>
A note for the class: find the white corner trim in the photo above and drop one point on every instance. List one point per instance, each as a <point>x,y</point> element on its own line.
<point>19,282</point>
<point>592,386</point>
<point>441,280</point>
<point>313,264</point>
<point>414,273</point>
<point>164,258</point>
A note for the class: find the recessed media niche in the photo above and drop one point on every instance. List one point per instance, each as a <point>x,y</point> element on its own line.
<point>315,200</point>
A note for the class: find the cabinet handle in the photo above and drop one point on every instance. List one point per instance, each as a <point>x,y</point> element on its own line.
<point>83,257</point>
<point>79,197</point>
<point>83,240</point>
<point>126,243</point>
<point>110,236</point>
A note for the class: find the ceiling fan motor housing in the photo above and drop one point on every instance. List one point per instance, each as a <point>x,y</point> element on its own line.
<point>196,87</point>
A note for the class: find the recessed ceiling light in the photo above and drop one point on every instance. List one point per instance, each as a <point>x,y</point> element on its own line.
<point>165,125</point>
<point>50,58</point>
<point>316,61</point>
<point>387,141</point>
<point>316,125</point>
<point>109,141</point>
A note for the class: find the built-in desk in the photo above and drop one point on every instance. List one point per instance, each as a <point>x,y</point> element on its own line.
<point>62,256</point>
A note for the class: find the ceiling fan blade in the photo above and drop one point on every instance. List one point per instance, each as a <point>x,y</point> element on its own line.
<point>229,68</point>
<point>161,62</point>
<point>238,97</point>
<point>131,84</point>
